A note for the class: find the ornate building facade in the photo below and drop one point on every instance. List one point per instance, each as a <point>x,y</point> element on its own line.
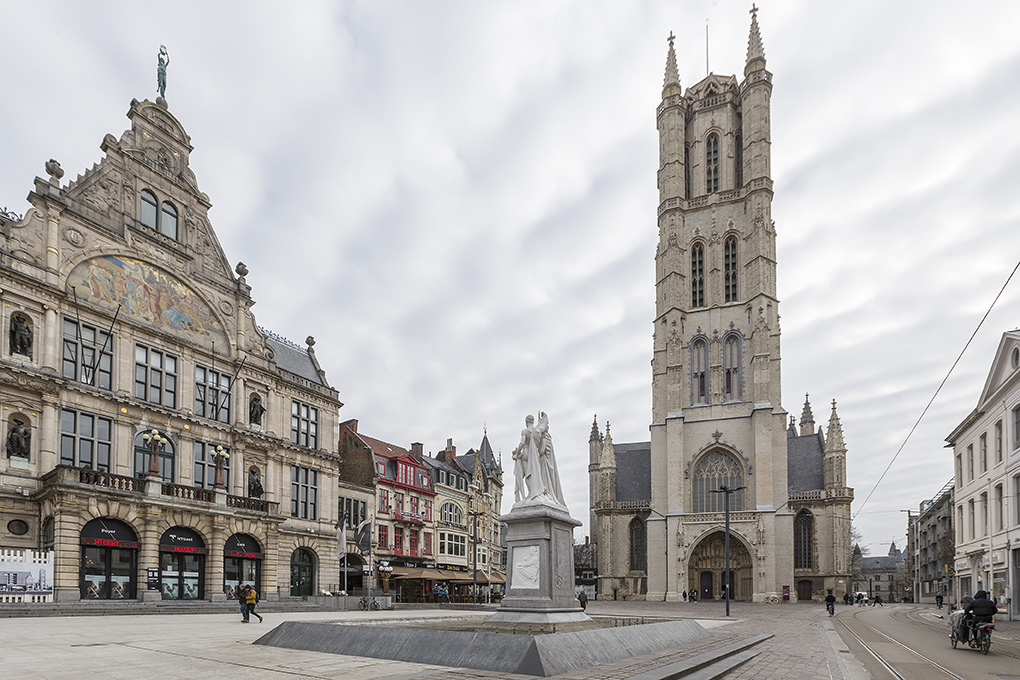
<point>159,442</point>
<point>719,433</point>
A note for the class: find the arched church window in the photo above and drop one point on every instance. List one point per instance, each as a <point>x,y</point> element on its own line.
<point>711,472</point>
<point>148,211</point>
<point>168,221</point>
<point>638,545</point>
<point>730,268</point>
<point>699,371</point>
<point>803,530</point>
<point>697,275</point>
<point>731,367</point>
<point>712,164</point>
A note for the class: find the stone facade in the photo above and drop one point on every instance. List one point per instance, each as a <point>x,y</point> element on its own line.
<point>986,450</point>
<point>717,418</point>
<point>153,429</point>
<point>931,545</point>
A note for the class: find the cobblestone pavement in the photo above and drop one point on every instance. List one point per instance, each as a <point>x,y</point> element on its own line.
<point>218,646</point>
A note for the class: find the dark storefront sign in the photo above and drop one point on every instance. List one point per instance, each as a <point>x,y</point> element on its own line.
<point>243,545</point>
<point>242,563</point>
<point>110,533</point>
<point>182,540</point>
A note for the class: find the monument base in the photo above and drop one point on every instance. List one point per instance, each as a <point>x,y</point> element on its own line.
<point>540,566</point>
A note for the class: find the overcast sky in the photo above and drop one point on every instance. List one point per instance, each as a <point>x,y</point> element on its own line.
<point>458,199</point>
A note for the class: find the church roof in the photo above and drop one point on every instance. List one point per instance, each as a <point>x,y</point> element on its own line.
<point>633,471</point>
<point>804,469</point>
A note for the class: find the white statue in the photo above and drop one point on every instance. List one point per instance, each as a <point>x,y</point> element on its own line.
<point>535,471</point>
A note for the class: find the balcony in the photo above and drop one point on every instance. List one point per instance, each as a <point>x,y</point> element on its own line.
<point>408,517</point>
<point>66,475</point>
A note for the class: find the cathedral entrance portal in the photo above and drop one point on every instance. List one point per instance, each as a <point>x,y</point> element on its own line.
<point>708,563</point>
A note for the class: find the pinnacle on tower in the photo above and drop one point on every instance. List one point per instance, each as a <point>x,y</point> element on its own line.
<point>834,438</point>
<point>595,434</point>
<point>755,49</point>
<point>608,459</point>
<point>807,419</point>
<point>672,75</point>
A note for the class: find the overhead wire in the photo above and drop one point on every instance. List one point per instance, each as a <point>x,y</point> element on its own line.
<point>939,389</point>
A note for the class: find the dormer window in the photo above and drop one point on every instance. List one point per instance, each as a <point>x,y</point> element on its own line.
<point>163,219</point>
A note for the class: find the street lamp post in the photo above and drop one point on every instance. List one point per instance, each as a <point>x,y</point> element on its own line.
<point>727,576</point>
<point>156,442</point>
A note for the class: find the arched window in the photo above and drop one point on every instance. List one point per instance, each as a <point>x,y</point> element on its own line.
<point>302,573</point>
<point>712,164</point>
<point>638,545</point>
<point>165,453</point>
<point>731,367</point>
<point>713,471</point>
<point>451,513</point>
<point>148,212</point>
<point>730,268</point>
<point>697,275</point>
<point>699,371</point>
<point>168,221</point>
<point>803,530</point>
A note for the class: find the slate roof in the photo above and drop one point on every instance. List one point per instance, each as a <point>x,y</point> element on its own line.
<point>296,360</point>
<point>804,467</point>
<point>633,471</point>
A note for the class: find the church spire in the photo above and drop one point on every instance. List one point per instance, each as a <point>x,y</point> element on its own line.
<point>595,435</point>
<point>755,49</point>
<point>608,459</point>
<point>672,75</point>
<point>807,419</point>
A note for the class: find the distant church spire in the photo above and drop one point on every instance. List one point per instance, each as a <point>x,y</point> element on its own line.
<point>608,460</point>
<point>595,434</point>
<point>807,419</point>
<point>672,75</point>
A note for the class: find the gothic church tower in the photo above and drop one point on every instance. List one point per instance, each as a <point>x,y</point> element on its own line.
<point>717,420</point>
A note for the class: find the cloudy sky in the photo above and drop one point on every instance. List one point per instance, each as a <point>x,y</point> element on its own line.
<point>458,199</point>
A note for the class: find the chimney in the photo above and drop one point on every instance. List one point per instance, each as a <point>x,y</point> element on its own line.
<point>449,453</point>
<point>417,450</point>
<point>351,425</point>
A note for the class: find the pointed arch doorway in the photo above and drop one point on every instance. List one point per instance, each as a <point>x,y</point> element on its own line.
<point>705,570</point>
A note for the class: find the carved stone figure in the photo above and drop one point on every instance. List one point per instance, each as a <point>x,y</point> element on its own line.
<point>21,335</point>
<point>255,489</point>
<point>164,61</point>
<point>535,473</point>
<point>255,410</point>
<point>19,440</point>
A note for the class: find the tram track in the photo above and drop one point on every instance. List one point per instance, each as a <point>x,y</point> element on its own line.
<point>871,639</point>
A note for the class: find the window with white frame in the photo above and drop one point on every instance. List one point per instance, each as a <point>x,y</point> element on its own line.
<point>983,448</point>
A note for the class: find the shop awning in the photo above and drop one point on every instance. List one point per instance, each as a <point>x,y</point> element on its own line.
<point>415,573</point>
<point>480,577</point>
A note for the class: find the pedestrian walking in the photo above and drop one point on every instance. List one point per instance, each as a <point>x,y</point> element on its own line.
<point>252,598</point>
<point>685,596</point>
<point>877,600</point>
<point>242,598</point>
<point>939,600</point>
<point>582,597</point>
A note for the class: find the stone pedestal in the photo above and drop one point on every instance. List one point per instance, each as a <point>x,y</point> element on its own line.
<point>540,566</point>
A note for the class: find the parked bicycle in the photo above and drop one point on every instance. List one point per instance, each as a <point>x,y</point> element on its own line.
<point>367,603</point>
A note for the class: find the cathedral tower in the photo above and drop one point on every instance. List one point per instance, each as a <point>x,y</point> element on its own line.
<point>717,419</point>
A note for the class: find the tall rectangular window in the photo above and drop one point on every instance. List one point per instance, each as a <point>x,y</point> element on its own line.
<point>384,536</point>
<point>205,466</point>
<point>998,507</point>
<point>212,394</point>
<point>354,510</point>
<point>85,440</point>
<point>426,543</point>
<point>398,503</point>
<point>971,519</point>
<point>984,514</point>
<point>697,275</point>
<point>959,470</point>
<point>304,425</point>
<point>398,539</point>
<point>1016,427</point>
<point>304,492</point>
<point>998,442</point>
<point>970,462</point>
<point>155,376</point>
<point>87,355</point>
<point>730,269</point>
<point>712,164</point>
<point>426,510</point>
<point>983,446</point>
<point>1016,499</point>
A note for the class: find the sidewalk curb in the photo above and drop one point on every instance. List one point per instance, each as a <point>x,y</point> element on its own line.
<point>849,666</point>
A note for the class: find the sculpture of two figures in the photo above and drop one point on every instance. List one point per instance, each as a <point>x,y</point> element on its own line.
<point>535,474</point>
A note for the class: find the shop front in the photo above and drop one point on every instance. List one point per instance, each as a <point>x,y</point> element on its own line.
<point>182,554</point>
<point>242,563</point>
<point>109,557</point>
